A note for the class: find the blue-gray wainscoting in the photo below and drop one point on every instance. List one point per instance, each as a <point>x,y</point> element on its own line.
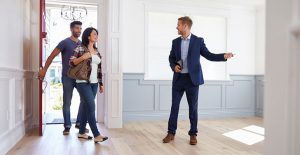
<point>259,103</point>
<point>151,100</point>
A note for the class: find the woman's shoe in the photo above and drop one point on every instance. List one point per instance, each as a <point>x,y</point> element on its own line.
<point>84,136</point>
<point>100,139</point>
<point>86,130</point>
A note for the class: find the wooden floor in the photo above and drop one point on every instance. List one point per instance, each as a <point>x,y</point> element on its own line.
<point>143,138</point>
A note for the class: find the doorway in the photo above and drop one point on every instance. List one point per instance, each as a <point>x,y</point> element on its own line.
<point>57,24</point>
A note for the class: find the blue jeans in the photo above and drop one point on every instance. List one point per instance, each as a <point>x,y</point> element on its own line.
<point>88,93</point>
<point>68,86</point>
<point>181,85</point>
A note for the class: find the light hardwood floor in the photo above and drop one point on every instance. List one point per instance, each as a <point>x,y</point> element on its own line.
<point>143,138</point>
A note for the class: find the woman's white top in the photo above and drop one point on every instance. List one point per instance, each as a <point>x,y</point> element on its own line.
<point>94,67</point>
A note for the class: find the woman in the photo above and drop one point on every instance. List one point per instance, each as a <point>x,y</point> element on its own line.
<point>88,88</point>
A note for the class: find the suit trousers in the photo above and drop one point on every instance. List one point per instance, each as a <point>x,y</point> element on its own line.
<point>181,85</point>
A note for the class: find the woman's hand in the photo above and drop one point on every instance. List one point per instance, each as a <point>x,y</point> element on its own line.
<point>101,90</point>
<point>76,61</point>
<point>86,55</point>
<point>72,58</point>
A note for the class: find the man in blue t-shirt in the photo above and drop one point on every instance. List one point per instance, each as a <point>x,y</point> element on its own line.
<point>66,47</point>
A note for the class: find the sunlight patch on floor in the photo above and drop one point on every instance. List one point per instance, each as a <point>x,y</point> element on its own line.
<point>248,135</point>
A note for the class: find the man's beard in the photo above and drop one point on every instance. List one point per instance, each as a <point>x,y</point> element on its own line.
<point>76,35</point>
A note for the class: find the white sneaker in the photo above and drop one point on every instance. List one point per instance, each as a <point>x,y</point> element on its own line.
<point>84,136</point>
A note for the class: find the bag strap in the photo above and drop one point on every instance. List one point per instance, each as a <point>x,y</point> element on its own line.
<point>85,49</point>
<point>97,51</point>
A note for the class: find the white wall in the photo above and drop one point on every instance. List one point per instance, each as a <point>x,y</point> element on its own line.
<point>11,30</point>
<point>16,70</point>
<point>282,110</point>
<point>245,27</point>
<point>260,40</point>
<point>134,36</point>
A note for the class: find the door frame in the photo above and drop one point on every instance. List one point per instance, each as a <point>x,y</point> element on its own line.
<point>109,13</point>
<point>42,36</point>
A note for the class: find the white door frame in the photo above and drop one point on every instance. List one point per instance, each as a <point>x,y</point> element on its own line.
<point>114,74</point>
<point>109,104</point>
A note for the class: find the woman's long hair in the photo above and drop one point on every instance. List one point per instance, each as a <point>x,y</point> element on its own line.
<point>85,36</point>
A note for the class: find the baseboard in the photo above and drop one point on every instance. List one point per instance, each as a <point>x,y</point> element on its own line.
<point>153,116</point>
<point>13,136</point>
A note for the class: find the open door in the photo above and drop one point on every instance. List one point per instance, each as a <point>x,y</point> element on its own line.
<point>42,83</point>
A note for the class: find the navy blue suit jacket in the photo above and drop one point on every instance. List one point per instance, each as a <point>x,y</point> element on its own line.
<point>196,48</point>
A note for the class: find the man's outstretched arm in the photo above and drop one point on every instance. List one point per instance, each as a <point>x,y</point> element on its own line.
<point>211,56</point>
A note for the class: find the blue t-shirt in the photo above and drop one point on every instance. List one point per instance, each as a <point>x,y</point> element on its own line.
<point>66,48</point>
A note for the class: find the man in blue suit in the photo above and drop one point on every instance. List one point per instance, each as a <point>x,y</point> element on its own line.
<point>185,62</point>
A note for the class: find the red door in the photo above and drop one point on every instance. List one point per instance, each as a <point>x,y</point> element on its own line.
<point>42,84</point>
